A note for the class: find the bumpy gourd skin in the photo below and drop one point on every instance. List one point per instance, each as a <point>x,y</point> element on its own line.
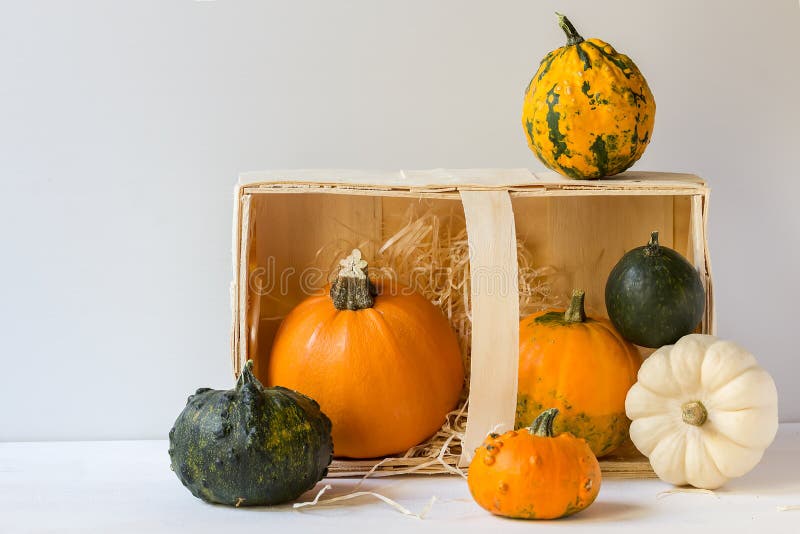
<point>588,111</point>
<point>251,445</point>
<point>527,474</point>
<point>654,296</point>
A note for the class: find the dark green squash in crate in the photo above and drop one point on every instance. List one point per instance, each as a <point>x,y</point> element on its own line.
<point>654,296</point>
<point>250,445</point>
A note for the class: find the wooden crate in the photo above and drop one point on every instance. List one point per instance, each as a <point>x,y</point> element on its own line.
<point>581,228</point>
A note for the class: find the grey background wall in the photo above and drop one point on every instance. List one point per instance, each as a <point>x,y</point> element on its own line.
<point>123,126</point>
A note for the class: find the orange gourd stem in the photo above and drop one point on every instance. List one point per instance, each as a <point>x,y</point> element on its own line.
<point>576,313</point>
<point>352,289</point>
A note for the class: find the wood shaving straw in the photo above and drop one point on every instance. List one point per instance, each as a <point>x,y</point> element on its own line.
<point>355,494</point>
<point>430,253</point>
<point>674,491</point>
<point>789,508</point>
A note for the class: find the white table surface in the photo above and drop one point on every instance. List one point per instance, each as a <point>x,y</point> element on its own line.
<point>127,487</point>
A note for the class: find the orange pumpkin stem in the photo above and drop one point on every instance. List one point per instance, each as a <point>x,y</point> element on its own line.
<point>543,425</point>
<point>576,313</point>
<point>352,289</point>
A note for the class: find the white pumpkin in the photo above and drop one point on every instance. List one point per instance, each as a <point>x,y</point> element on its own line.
<point>703,411</point>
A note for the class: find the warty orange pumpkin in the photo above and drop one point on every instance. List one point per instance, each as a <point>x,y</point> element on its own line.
<point>580,365</point>
<point>530,474</point>
<point>384,365</point>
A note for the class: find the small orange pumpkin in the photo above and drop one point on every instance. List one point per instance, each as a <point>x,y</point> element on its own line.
<point>529,474</point>
<point>384,366</point>
<point>580,365</point>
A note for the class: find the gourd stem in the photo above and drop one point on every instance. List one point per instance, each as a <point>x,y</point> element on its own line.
<point>543,425</point>
<point>694,413</point>
<point>246,376</point>
<point>573,37</point>
<point>352,289</point>
<point>576,312</point>
<point>653,248</point>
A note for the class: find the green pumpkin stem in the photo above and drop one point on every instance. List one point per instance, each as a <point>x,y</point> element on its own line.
<point>352,289</point>
<point>653,248</point>
<point>543,425</point>
<point>576,312</point>
<point>246,376</point>
<point>573,37</point>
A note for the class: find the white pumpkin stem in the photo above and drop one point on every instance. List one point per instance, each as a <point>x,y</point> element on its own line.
<point>694,413</point>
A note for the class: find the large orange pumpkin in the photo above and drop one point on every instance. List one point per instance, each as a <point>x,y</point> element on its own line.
<point>580,365</point>
<point>385,366</point>
<point>529,474</point>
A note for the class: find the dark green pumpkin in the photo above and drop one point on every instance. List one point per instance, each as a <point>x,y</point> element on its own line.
<point>251,445</point>
<point>654,296</point>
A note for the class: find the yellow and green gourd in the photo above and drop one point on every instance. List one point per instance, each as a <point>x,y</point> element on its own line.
<point>588,112</point>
